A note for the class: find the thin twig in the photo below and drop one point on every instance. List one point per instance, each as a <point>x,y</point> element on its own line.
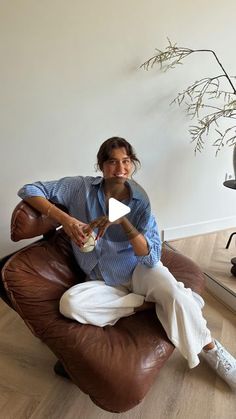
<point>194,97</point>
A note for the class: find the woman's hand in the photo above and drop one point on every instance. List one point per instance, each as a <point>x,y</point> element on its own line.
<point>79,231</point>
<point>76,230</point>
<point>101,223</point>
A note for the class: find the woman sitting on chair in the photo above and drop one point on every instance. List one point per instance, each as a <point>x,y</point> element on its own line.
<point>122,262</point>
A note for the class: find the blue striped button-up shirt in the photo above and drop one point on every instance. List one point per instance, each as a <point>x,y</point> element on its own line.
<point>113,258</point>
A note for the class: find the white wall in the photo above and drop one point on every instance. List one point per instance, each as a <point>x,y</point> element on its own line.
<point>70,78</point>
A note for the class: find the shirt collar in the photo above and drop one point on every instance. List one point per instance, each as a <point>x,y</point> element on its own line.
<point>134,186</point>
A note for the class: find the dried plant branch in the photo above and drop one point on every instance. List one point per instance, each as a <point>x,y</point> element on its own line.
<point>196,96</point>
<point>168,58</point>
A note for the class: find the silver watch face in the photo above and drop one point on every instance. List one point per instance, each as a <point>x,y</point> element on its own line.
<point>89,245</point>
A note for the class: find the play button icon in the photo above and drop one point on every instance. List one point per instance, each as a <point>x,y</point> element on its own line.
<point>116,209</point>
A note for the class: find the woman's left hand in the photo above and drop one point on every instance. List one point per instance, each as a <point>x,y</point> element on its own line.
<point>102,223</point>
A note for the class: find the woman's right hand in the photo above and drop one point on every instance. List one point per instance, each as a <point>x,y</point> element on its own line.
<point>75,229</point>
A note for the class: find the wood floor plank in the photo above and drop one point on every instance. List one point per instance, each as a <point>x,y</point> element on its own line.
<point>209,251</point>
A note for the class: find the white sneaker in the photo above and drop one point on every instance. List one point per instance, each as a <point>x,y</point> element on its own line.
<point>222,362</point>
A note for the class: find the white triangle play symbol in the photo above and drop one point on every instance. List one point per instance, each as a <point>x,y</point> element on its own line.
<point>116,209</point>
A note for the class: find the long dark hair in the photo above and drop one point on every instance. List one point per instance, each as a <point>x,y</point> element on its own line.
<point>104,152</point>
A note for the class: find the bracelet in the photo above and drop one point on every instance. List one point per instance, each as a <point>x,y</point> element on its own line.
<point>49,209</point>
<point>130,231</point>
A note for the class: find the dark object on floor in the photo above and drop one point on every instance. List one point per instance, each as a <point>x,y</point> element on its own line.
<point>233,269</point>
<point>233,260</point>
<point>115,365</point>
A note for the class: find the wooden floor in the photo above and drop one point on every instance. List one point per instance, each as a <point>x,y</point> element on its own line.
<point>30,390</point>
<point>211,255</point>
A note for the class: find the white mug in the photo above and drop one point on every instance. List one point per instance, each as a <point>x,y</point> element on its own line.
<point>90,244</point>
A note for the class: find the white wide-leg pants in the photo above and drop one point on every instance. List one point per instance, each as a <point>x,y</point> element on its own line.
<point>178,308</point>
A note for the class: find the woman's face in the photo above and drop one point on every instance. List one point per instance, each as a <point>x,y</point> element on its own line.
<point>118,166</point>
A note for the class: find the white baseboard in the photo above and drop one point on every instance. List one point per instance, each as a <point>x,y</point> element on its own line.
<point>205,227</point>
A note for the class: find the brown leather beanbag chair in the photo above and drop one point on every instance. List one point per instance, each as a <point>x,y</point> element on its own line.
<point>115,365</point>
